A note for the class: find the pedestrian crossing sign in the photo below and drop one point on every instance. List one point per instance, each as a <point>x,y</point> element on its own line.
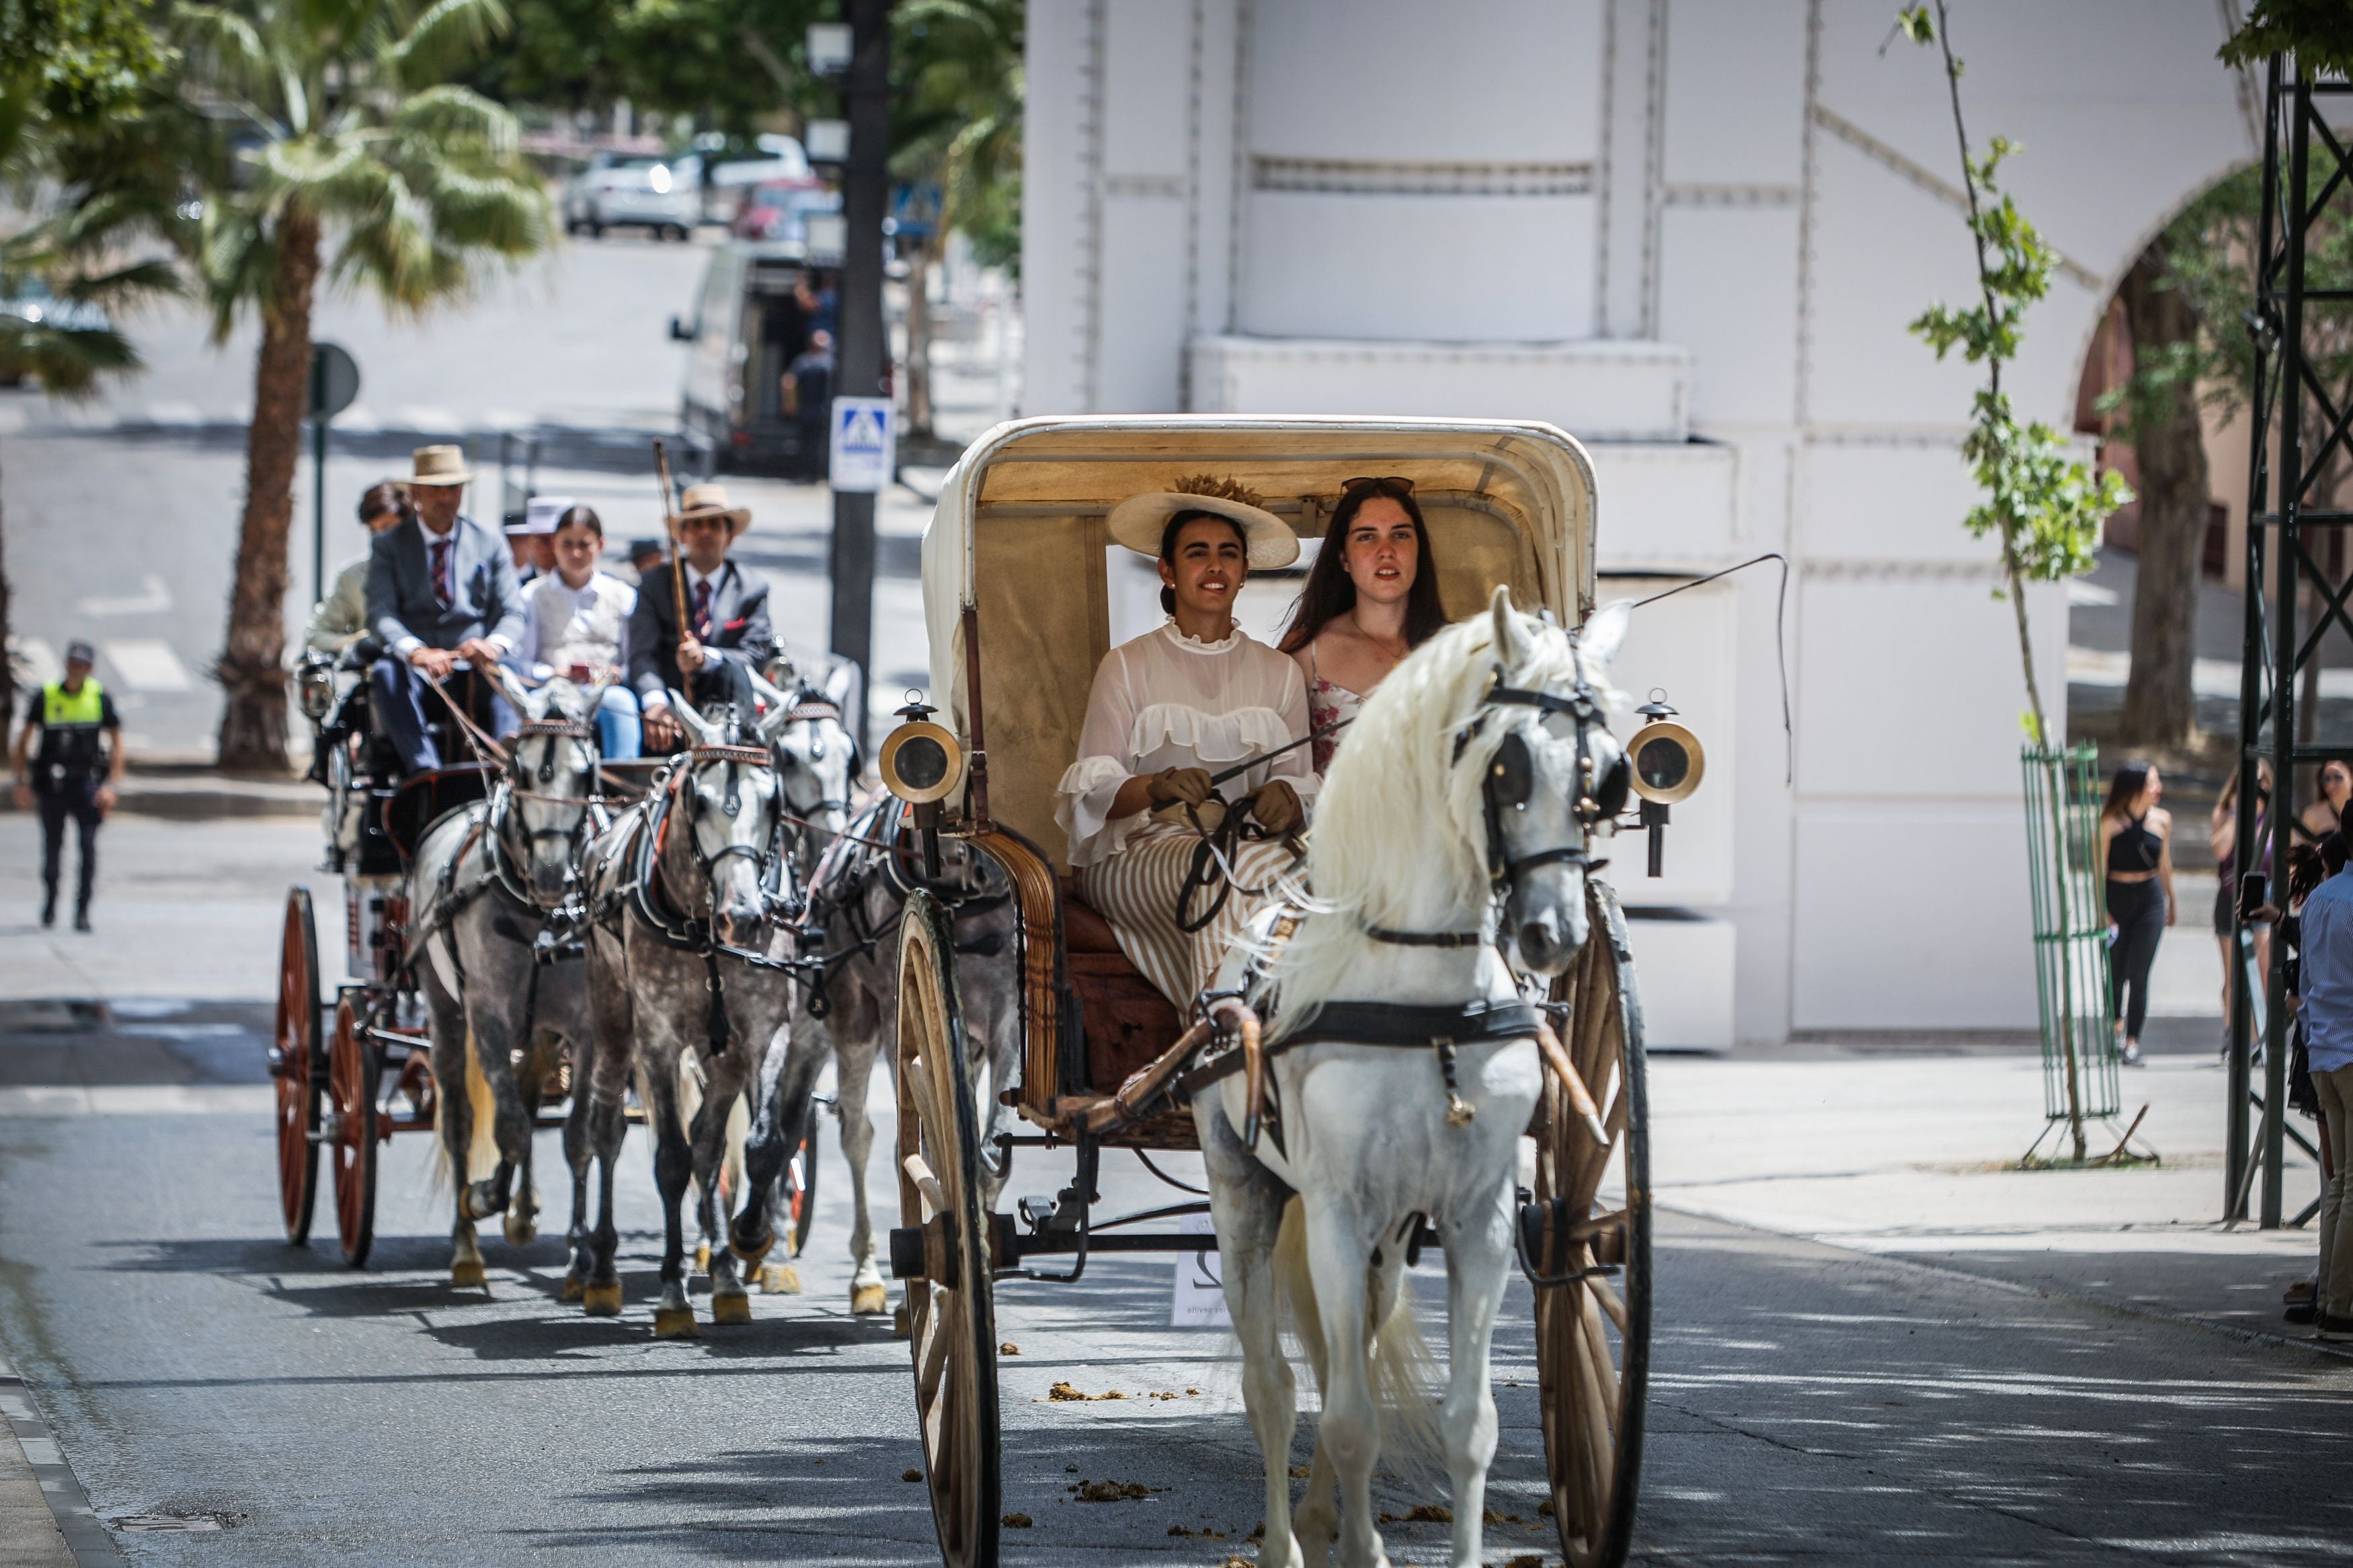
<point>865,443</point>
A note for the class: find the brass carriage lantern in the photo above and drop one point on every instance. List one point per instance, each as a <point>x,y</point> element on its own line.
<point>1669,762</point>
<point>921,763</point>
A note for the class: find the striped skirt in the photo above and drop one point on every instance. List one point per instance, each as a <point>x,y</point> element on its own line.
<point>1136,891</point>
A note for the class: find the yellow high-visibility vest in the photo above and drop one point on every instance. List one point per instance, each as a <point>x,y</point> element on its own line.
<point>61,708</point>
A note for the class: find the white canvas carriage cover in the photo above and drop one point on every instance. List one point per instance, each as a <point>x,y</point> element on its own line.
<point>1018,535</point>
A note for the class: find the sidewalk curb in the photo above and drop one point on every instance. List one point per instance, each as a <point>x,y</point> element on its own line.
<point>2240,1331</point>
<point>86,1536</point>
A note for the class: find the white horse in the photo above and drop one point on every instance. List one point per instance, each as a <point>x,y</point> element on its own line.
<point>1472,772</point>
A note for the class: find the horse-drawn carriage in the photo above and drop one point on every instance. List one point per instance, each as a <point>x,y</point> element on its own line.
<point>352,1068</point>
<point>334,1042</point>
<point>1017,605</point>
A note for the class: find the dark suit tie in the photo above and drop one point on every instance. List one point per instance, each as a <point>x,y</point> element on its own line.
<point>703,610</point>
<point>443,589</point>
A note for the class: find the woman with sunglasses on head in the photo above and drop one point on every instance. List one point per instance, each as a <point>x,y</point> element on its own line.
<point>1371,598</point>
<point>1140,807</point>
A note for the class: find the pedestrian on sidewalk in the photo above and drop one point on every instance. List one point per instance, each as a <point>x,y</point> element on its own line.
<point>2136,848</point>
<point>2222,835</point>
<point>75,775</point>
<point>2326,933</point>
<point>2332,791</point>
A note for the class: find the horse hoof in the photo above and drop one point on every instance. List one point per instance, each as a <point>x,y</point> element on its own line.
<point>902,1326</point>
<point>468,1275</point>
<point>675,1323</point>
<point>730,1309</point>
<point>702,1258</point>
<point>602,1300</point>
<point>521,1229</point>
<point>779,1280</point>
<point>752,1258</point>
<point>572,1289</point>
<point>869,1301</point>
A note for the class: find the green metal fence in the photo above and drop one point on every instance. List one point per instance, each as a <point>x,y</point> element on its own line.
<point>2070,936</point>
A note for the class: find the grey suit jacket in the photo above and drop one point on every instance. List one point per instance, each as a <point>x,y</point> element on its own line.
<point>401,602</point>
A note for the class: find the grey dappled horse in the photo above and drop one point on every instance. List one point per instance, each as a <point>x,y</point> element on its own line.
<point>484,880</point>
<point>690,895</point>
<point>856,898</point>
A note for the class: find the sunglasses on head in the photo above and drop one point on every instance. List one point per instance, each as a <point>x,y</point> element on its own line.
<point>1397,484</point>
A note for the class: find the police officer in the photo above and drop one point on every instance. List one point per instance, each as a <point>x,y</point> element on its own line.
<point>75,775</point>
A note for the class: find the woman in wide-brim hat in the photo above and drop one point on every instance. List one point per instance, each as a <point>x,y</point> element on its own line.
<point>1172,706</point>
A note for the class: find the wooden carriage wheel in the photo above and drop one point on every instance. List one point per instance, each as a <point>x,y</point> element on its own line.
<point>294,1065</point>
<point>354,1071</point>
<point>1593,1334</point>
<point>951,1314</point>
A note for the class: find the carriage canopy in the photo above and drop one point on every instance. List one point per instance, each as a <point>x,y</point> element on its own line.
<point>1017,541</point>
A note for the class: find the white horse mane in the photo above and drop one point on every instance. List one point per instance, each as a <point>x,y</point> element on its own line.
<point>1399,830</point>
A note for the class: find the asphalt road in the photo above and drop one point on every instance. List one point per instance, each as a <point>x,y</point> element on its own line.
<point>1808,1404</point>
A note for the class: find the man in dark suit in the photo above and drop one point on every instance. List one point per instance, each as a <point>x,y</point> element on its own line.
<point>440,588</point>
<point>727,635</point>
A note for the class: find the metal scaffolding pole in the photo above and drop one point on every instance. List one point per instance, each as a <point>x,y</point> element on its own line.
<point>2297,147</point>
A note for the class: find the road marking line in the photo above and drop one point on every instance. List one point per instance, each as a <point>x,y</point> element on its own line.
<point>153,598</point>
<point>147,664</point>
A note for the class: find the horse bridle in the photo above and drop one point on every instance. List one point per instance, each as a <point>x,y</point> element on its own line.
<point>514,783</point>
<point>1509,784</point>
<point>768,860</point>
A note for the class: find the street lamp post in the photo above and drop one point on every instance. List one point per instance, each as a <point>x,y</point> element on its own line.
<point>863,352</point>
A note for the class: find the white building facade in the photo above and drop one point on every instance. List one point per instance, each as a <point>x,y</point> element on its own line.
<point>1689,232</point>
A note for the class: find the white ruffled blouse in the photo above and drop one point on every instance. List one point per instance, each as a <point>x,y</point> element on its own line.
<point>1168,700</point>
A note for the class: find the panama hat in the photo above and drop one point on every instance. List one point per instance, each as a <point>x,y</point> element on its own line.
<point>710,500</point>
<point>1139,522</point>
<point>542,514</point>
<point>439,465</point>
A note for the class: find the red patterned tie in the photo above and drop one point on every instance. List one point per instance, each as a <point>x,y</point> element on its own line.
<point>703,610</point>
<point>442,588</point>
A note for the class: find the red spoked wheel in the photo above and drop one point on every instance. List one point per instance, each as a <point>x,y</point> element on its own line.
<point>295,1067</point>
<point>354,1069</point>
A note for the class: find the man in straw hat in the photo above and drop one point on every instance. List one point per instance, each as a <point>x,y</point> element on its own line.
<point>1169,708</point>
<point>441,588</point>
<point>726,635</point>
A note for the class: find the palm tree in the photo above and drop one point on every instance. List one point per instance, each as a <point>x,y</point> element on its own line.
<point>68,341</point>
<point>366,163</point>
<point>958,131</point>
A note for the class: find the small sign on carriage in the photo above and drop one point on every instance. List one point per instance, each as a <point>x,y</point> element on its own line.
<point>1199,1301</point>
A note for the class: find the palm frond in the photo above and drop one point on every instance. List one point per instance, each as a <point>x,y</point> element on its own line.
<point>65,361</point>
<point>448,35</point>
<point>450,111</point>
<point>125,287</point>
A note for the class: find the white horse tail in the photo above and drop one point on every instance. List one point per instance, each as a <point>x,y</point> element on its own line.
<point>1404,1374</point>
<point>482,1149</point>
<point>692,1077</point>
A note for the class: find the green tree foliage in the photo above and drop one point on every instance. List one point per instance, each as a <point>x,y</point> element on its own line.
<point>2044,505</point>
<point>732,64</point>
<point>73,74</point>
<point>360,164</point>
<point>958,65</point>
<point>2319,33</point>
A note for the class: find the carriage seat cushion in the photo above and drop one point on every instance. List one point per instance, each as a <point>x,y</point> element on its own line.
<point>1083,931</point>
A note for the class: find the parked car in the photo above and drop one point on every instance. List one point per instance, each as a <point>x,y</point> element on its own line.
<point>778,210</point>
<point>663,196</point>
<point>750,324</point>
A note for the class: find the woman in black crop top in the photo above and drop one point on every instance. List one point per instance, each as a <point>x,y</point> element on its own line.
<point>2136,851</point>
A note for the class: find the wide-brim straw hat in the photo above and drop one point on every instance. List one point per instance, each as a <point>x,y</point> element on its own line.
<point>1139,522</point>
<point>710,500</point>
<point>439,465</point>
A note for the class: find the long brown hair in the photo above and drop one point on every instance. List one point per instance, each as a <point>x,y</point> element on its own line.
<point>1331,593</point>
<point>2125,788</point>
